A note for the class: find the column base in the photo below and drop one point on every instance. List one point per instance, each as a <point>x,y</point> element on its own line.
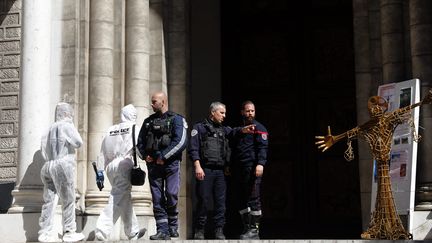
<point>424,197</point>
<point>96,202</point>
<point>424,206</point>
<point>27,200</point>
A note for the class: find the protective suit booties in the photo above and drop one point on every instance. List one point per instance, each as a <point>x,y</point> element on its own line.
<point>57,174</point>
<point>116,155</point>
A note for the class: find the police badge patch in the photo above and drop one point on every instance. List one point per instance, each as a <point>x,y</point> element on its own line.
<point>194,132</point>
<point>264,136</point>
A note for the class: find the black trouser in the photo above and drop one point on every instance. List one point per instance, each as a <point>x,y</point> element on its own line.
<point>213,186</point>
<point>248,188</point>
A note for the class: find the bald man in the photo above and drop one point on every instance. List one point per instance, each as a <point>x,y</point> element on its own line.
<point>161,141</point>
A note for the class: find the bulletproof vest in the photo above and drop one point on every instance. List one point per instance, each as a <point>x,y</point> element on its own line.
<point>159,133</point>
<point>214,146</point>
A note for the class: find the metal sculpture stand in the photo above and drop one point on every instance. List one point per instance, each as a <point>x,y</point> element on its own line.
<point>378,133</point>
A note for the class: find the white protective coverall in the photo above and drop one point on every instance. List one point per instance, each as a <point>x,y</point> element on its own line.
<point>58,173</point>
<point>116,154</point>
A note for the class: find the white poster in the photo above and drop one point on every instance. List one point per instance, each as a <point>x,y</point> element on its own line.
<point>404,149</point>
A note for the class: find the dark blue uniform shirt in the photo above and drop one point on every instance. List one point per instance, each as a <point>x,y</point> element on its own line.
<point>198,131</point>
<point>250,149</point>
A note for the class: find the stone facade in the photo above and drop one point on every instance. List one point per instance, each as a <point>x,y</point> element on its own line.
<point>10,36</point>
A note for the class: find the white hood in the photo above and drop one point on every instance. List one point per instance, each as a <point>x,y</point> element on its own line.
<point>128,113</point>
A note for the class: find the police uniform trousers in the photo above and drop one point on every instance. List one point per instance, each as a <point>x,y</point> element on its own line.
<point>164,185</point>
<point>212,187</point>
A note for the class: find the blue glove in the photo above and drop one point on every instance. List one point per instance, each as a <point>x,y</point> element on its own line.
<point>100,179</point>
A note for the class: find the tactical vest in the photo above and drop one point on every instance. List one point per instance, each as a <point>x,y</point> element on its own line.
<point>159,133</point>
<point>214,145</point>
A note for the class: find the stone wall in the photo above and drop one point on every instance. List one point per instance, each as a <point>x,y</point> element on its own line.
<point>10,35</point>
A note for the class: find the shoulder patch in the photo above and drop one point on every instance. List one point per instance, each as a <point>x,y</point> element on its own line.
<point>264,136</point>
<point>194,132</point>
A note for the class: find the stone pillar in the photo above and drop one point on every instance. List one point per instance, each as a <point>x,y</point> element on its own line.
<point>392,39</point>
<point>137,57</point>
<point>35,115</point>
<point>375,47</point>
<point>100,117</point>
<point>177,73</point>
<point>157,48</point>
<point>137,81</point>
<point>421,53</point>
<point>363,89</point>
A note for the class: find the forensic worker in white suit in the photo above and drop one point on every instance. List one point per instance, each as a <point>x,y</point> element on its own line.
<point>117,159</point>
<point>57,174</point>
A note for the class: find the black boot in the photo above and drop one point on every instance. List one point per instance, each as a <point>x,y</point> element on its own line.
<point>246,223</point>
<point>173,233</point>
<point>160,236</point>
<point>219,235</point>
<point>199,234</point>
<point>253,232</point>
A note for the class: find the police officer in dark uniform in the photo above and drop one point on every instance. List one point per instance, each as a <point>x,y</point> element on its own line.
<point>161,141</point>
<point>249,156</point>
<point>209,150</point>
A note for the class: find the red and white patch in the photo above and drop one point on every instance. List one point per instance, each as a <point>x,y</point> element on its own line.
<point>264,136</point>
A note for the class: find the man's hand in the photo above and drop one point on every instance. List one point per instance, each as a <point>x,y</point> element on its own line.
<point>199,172</point>
<point>227,171</point>
<point>149,159</point>
<point>160,161</point>
<point>100,179</point>
<point>259,170</point>
<point>248,129</point>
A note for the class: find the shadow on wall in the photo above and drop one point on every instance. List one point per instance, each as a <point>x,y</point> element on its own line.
<point>5,6</point>
<point>32,181</point>
<point>5,191</point>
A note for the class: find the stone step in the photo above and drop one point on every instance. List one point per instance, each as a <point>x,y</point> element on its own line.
<point>260,241</point>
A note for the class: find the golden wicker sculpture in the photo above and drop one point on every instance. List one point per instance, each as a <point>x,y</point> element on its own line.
<point>378,133</point>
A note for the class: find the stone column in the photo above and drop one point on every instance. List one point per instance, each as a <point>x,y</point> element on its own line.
<point>137,81</point>
<point>137,56</point>
<point>177,73</point>
<point>35,115</point>
<point>101,59</point>
<point>421,53</point>
<point>392,39</point>
<point>157,48</point>
<point>363,88</point>
<point>375,47</point>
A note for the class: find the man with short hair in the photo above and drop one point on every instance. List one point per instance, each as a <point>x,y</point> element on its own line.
<point>209,151</point>
<point>249,156</point>
<point>161,141</point>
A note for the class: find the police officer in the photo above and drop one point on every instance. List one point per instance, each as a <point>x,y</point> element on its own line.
<point>249,156</point>
<point>161,141</point>
<point>209,150</point>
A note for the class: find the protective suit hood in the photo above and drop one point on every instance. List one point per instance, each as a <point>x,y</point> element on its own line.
<point>128,113</point>
<point>64,112</point>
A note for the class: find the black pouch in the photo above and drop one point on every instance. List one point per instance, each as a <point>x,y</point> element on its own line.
<point>137,176</point>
